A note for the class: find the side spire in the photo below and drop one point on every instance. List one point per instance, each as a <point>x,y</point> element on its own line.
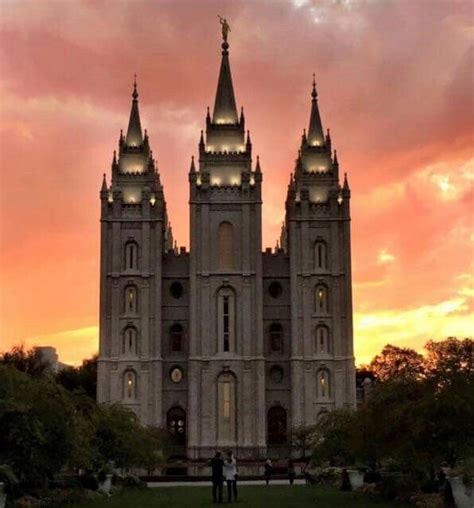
<point>315,131</point>
<point>134,132</point>
<point>225,109</point>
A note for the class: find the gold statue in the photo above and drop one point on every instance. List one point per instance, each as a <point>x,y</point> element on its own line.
<point>225,28</point>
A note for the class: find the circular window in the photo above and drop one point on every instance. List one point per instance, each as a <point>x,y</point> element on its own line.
<point>276,374</point>
<point>176,375</point>
<point>176,290</point>
<point>275,289</point>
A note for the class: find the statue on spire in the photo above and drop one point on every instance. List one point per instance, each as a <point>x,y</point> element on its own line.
<point>225,28</point>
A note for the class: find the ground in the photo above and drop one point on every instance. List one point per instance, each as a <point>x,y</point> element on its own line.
<point>275,496</point>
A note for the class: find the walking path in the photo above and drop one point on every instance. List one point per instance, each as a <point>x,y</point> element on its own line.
<point>208,483</point>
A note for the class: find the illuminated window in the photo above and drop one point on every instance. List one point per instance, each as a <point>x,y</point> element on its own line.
<point>130,340</point>
<point>322,299</point>
<point>226,320</point>
<point>176,333</point>
<point>322,339</point>
<point>276,337</point>
<point>130,385</point>
<point>131,256</point>
<point>320,255</point>
<point>226,246</point>
<point>323,384</point>
<point>131,303</point>
<point>226,408</point>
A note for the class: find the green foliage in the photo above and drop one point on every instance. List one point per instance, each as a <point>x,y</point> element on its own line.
<point>303,437</point>
<point>81,379</point>
<point>28,361</point>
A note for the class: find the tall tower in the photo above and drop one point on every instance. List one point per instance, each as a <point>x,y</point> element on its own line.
<point>226,397</point>
<point>134,234</point>
<point>316,236</point>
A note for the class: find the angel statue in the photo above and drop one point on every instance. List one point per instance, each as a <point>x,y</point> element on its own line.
<point>225,27</point>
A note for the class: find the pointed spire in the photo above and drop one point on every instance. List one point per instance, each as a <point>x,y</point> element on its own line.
<point>104,183</point>
<point>258,169</point>
<point>248,142</point>
<point>201,140</point>
<point>193,167</point>
<point>114,159</point>
<point>225,110</point>
<point>134,132</point>
<point>346,183</point>
<point>336,162</point>
<point>315,131</point>
<point>242,118</point>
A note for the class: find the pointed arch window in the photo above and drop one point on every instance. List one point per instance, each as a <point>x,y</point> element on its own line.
<point>129,385</point>
<point>322,299</point>
<point>131,299</point>
<point>276,337</point>
<point>321,337</point>
<point>277,426</point>
<point>226,246</point>
<point>226,320</point>
<point>226,393</point>
<point>320,255</point>
<point>324,388</point>
<point>130,341</point>
<point>131,255</point>
<point>176,335</point>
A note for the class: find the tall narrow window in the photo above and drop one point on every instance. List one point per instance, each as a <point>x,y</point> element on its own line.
<point>130,385</point>
<point>130,340</point>
<point>226,320</point>
<point>226,246</point>
<point>226,410</point>
<point>276,426</point>
<point>322,301</point>
<point>176,422</point>
<point>276,337</point>
<point>131,303</point>
<point>322,339</point>
<point>320,255</point>
<point>131,256</point>
<point>176,332</point>
<point>323,384</point>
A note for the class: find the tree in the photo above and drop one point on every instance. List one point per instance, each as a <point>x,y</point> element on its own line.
<point>396,363</point>
<point>303,437</point>
<point>27,361</point>
<point>80,379</point>
<point>450,358</point>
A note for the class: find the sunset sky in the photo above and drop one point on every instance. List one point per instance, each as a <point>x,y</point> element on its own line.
<point>395,84</point>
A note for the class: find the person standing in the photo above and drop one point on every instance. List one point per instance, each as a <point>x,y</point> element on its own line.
<point>291,472</point>
<point>268,471</point>
<point>217,466</point>
<point>230,473</point>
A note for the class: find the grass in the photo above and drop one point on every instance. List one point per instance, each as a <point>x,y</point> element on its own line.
<point>275,496</point>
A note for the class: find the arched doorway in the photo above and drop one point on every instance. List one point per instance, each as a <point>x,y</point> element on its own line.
<point>176,425</point>
<point>276,426</point>
<point>226,410</point>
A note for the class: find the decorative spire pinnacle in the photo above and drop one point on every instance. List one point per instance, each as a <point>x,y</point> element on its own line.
<point>201,140</point>
<point>134,131</point>
<point>225,109</point>
<point>114,159</point>
<point>346,183</point>
<point>104,183</point>
<point>248,142</point>
<point>193,167</point>
<point>315,131</point>
<point>335,158</point>
<point>258,169</point>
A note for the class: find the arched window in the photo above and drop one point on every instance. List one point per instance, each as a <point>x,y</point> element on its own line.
<point>130,340</point>
<point>226,246</point>
<point>176,424</point>
<point>176,335</point>
<point>226,320</point>
<point>131,255</point>
<point>322,299</point>
<point>320,255</point>
<point>321,339</point>
<point>276,337</point>
<point>276,426</point>
<point>324,388</point>
<point>226,409</point>
<point>131,300</point>
<point>129,385</point>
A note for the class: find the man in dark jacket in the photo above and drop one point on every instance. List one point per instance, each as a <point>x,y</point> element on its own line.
<point>217,465</point>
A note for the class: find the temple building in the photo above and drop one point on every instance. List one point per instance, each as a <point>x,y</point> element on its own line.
<point>226,345</point>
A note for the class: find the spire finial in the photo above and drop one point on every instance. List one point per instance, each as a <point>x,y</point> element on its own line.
<point>104,183</point>
<point>258,169</point>
<point>193,167</point>
<point>335,157</point>
<point>114,160</point>
<point>135,93</point>
<point>314,94</point>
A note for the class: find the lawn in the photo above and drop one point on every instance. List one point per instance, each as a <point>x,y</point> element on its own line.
<point>276,496</point>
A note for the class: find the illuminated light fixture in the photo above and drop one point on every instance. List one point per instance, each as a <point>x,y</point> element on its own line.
<point>339,199</point>
<point>216,181</point>
<point>316,143</point>
<point>242,149</point>
<point>110,197</point>
<point>131,200</point>
<point>235,181</point>
<point>210,149</point>
<point>225,148</point>
<point>321,168</point>
<point>152,200</point>
<point>198,181</point>
<point>320,294</point>
<point>252,181</point>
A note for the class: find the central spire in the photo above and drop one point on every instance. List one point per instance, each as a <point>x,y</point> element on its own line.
<point>225,109</point>
<point>315,131</point>
<point>134,131</point>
